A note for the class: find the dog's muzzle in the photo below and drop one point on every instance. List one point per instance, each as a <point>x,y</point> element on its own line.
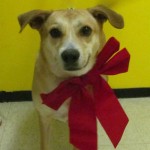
<point>70,58</point>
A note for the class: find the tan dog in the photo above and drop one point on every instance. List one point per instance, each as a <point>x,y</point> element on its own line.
<point>70,42</point>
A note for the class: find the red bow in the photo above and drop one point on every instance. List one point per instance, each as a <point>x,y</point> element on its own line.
<point>100,102</point>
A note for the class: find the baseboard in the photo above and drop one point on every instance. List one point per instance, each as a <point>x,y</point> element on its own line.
<point>15,96</point>
<point>132,92</point>
<point>19,96</point>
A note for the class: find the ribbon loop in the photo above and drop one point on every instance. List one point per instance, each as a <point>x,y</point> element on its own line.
<point>55,100</point>
<point>110,48</point>
<point>117,64</point>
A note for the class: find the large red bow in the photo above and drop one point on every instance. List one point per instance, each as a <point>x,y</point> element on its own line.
<point>100,102</point>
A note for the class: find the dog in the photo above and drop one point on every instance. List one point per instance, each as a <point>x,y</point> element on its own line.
<point>70,42</point>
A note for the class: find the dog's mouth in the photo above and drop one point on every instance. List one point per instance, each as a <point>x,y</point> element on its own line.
<point>75,66</point>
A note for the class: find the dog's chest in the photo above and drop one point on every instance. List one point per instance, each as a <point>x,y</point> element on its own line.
<point>62,113</point>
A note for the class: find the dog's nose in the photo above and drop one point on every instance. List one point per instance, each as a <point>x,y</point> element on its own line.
<point>70,56</point>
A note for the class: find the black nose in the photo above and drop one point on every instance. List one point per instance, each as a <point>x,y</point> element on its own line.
<point>70,56</point>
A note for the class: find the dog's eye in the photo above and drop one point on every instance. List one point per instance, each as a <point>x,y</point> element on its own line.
<point>85,31</point>
<point>55,33</point>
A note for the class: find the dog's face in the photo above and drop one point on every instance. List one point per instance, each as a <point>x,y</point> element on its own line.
<point>71,39</point>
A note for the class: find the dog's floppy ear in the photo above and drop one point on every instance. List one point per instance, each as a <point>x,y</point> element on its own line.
<point>102,13</point>
<point>34,18</point>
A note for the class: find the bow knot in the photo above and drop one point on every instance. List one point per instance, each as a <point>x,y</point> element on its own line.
<point>92,98</point>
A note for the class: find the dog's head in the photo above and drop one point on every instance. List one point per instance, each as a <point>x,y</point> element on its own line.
<point>71,39</point>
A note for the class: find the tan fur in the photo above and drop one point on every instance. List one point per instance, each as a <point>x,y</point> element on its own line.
<point>49,68</point>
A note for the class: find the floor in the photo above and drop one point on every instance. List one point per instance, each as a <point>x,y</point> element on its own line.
<point>19,129</point>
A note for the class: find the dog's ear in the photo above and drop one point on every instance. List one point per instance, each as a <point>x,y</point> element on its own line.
<point>34,18</point>
<point>102,13</point>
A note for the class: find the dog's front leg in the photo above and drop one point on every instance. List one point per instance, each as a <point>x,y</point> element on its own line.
<point>45,128</point>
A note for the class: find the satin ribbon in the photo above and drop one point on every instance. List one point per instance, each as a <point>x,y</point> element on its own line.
<point>99,102</point>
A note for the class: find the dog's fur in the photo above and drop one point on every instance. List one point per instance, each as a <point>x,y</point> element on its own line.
<point>70,42</point>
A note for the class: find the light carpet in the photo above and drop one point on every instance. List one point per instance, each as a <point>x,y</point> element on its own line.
<point>19,128</point>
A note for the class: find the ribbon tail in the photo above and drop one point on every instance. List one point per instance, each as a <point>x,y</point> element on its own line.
<point>109,112</point>
<point>82,122</point>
